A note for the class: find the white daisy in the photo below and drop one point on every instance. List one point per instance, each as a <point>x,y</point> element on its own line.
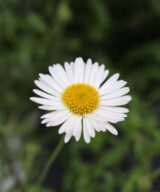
<point>80,99</point>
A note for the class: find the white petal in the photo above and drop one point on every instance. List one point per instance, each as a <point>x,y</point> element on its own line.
<point>92,74</point>
<point>54,104</point>
<point>98,126</point>
<point>87,71</point>
<point>44,101</point>
<point>109,83</point>
<point>67,137</point>
<point>112,79</point>
<point>116,94</point>
<point>118,85</point>
<point>52,70</point>
<point>117,109</point>
<point>55,114</point>
<point>79,70</point>
<point>56,122</point>
<point>95,116</point>
<point>108,113</point>
<point>50,82</point>
<point>117,101</point>
<point>98,76</point>
<point>72,123</point>
<point>69,72</point>
<point>78,129</point>
<point>89,127</point>
<point>108,116</point>
<point>43,86</point>
<point>111,129</point>
<point>50,122</point>
<point>85,133</point>
<point>53,107</point>
<point>56,74</point>
<point>111,87</point>
<point>68,125</point>
<point>63,76</point>
<point>46,107</point>
<point>72,64</point>
<point>46,96</point>
<point>104,76</point>
<point>94,124</point>
<point>78,135</point>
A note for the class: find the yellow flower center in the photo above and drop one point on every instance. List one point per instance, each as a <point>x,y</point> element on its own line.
<point>81,98</point>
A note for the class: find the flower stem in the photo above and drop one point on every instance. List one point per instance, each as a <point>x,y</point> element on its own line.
<point>50,161</point>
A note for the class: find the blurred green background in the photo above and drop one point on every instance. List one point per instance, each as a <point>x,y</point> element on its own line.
<point>125,35</point>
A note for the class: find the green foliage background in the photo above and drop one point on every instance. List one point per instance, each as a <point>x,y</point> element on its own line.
<point>125,35</point>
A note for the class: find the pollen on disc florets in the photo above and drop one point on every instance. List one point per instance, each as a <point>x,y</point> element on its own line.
<point>81,98</point>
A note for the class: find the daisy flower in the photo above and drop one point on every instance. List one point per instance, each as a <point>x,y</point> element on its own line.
<point>81,99</point>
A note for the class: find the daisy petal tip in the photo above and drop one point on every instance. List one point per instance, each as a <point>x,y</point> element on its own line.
<point>34,90</point>
<point>77,139</point>
<point>107,71</point>
<point>125,82</point>
<point>50,68</point>
<point>35,82</point>
<point>89,60</point>
<point>43,116</point>
<point>49,125</point>
<point>117,75</point>
<point>116,133</point>
<point>66,140</point>
<point>60,131</point>
<point>31,98</point>
<point>79,59</point>
<point>87,141</point>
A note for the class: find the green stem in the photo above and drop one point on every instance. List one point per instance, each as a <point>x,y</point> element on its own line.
<point>50,161</point>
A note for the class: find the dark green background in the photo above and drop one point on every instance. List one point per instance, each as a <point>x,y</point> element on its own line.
<point>125,35</point>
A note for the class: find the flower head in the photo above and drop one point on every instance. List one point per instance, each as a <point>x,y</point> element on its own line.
<point>80,99</point>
